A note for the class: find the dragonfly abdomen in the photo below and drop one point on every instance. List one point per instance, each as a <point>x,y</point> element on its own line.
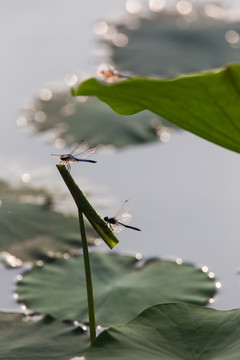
<point>84,160</point>
<point>129,227</point>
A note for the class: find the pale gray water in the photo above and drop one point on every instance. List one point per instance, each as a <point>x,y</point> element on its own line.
<point>186,193</point>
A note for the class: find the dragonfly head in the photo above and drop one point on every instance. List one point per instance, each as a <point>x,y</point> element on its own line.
<point>106,218</point>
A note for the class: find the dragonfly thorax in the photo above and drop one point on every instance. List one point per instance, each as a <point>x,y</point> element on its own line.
<point>111,220</point>
<point>66,157</point>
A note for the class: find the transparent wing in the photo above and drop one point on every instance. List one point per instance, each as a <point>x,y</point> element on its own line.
<point>56,155</point>
<point>80,147</point>
<point>83,150</point>
<point>125,218</point>
<point>117,228</point>
<point>123,215</point>
<point>86,153</point>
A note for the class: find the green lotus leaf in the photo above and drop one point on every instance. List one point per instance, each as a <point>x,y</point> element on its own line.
<point>172,331</point>
<point>121,287</point>
<point>33,231</point>
<point>23,338</point>
<point>72,120</point>
<point>207,104</point>
<point>169,43</point>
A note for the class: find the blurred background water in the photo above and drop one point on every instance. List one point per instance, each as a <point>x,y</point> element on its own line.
<point>185,193</point>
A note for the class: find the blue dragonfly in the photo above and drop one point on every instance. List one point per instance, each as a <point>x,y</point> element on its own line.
<point>121,220</point>
<point>80,153</point>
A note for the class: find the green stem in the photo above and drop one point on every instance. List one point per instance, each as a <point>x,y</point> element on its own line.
<point>85,207</point>
<point>91,313</point>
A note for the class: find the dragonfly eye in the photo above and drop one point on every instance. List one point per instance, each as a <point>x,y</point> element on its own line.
<point>105,218</point>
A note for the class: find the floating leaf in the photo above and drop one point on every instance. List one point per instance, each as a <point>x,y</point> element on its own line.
<point>121,288</point>
<point>172,331</point>
<point>168,43</point>
<point>22,337</point>
<point>206,104</point>
<point>33,231</point>
<point>91,120</point>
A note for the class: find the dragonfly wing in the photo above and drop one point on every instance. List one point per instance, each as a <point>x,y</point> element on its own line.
<point>123,215</point>
<point>56,155</point>
<point>125,218</point>
<point>86,153</point>
<point>117,228</point>
<point>80,147</point>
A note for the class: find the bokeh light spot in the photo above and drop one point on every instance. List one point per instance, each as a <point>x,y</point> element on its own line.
<point>26,178</point>
<point>120,40</point>
<point>156,5</point>
<point>133,6</point>
<point>184,7</point>
<point>22,121</point>
<point>45,94</point>
<point>100,28</point>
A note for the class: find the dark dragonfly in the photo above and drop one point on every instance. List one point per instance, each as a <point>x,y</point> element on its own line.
<point>121,219</point>
<point>79,153</point>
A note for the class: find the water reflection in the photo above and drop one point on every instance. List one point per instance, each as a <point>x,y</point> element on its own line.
<point>60,143</point>
<point>15,296</point>
<point>40,263</point>
<point>9,260</point>
<point>98,241</point>
<point>26,178</point>
<point>45,94</point>
<point>100,28</point>
<point>211,275</point>
<point>40,116</point>
<point>110,33</point>
<point>215,11</point>
<point>184,7</point>
<point>22,121</point>
<point>24,308</point>
<point>67,110</point>
<point>120,40</point>
<point>164,135</point>
<point>218,285</point>
<point>205,269</point>
<point>233,38</point>
<point>71,79</point>
<point>156,5</point>
<point>133,6</point>
<point>81,325</point>
<point>179,261</point>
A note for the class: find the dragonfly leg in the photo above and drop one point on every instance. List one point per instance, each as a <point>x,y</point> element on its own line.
<point>69,167</point>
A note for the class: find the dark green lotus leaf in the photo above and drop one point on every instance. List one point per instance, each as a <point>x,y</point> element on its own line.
<point>10,193</point>
<point>121,288</point>
<point>207,104</point>
<point>23,338</point>
<point>172,331</point>
<point>69,119</point>
<point>30,231</point>
<point>168,43</point>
